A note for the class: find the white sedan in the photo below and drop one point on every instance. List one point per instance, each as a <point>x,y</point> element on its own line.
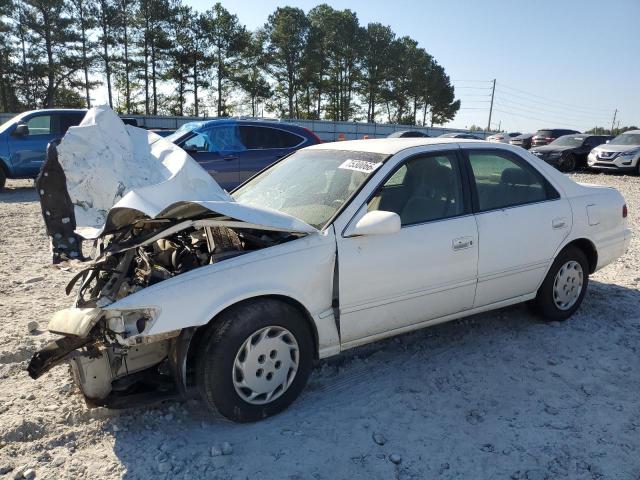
<point>335,246</point>
<point>502,137</point>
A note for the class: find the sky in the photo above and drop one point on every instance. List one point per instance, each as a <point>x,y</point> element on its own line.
<point>557,63</point>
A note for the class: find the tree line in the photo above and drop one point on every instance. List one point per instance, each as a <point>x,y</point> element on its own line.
<point>317,65</point>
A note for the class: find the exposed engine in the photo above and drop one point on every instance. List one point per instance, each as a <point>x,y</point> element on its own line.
<point>130,261</point>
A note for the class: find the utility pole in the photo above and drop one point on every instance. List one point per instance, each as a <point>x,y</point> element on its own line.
<point>614,120</point>
<point>493,91</point>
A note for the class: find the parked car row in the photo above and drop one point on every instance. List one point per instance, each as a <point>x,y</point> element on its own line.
<point>233,150</point>
<point>569,152</point>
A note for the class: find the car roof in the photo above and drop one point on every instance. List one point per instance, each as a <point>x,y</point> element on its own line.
<point>58,110</point>
<point>245,121</point>
<point>635,132</point>
<point>565,129</point>
<point>390,146</point>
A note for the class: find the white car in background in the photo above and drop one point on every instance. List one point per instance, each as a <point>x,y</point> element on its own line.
<point>335,246</point>
<point>620,154</point>
<point>503,137</point>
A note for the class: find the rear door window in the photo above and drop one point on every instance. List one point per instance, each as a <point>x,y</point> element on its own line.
<point>259,138</point>
<point>503,180</point>
<point>69,120</point>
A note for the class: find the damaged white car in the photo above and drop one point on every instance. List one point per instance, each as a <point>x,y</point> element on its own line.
<point>337,245</point>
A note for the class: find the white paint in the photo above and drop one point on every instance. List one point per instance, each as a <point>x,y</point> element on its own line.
<point>109,165</point>
<point>397,282</point>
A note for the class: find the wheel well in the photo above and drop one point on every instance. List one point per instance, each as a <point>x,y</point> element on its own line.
<point>4,168</point>
<point>200,331</point>
<point>589,249</point>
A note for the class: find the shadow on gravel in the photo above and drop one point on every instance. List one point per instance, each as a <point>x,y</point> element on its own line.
<point>18,194</point>
<point>497,395</point>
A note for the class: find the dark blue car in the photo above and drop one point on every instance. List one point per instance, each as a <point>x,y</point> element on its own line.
<point>233,150</point>
<point>24,139</point>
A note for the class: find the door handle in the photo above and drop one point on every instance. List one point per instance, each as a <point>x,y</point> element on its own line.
<point>230,157</point>
<point>462,242</point>
<point>558,223</point>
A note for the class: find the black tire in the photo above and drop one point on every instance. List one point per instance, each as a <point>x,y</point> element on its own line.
<point>3,179</point>
<point>545,303</point>
<point>222,342</point>
<point>568,163</point>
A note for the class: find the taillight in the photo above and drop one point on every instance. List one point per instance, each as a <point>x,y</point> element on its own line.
<point>625,211</point>
<point>313,135</point>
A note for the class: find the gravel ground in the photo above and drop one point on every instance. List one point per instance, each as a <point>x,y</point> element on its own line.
<point>497,395</point>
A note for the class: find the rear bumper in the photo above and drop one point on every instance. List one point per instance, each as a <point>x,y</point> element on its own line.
<point>613,248</point>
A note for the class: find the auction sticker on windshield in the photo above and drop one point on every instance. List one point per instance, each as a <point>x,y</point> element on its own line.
<point>359,165</point>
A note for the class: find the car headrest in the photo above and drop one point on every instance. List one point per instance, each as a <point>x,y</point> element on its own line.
<point>516,176</point>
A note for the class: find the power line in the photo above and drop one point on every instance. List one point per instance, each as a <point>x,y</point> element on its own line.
<point>578,107</point>
<point>537,103</point>
<point>538,111</point>
<point>535,118</point>
<point>474,88</point>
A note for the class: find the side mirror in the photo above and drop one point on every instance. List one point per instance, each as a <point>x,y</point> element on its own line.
<point>607,141</point>
<point>190,149</point>
<point>377,222</point>
<point>21,130</point>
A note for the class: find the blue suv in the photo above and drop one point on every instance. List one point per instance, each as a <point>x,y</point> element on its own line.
<point>233,150</point>
<point>24,139</point>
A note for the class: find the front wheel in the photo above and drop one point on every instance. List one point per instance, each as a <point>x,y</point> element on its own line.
<point>255,360</point>
<point>3,179</point>
<point>568,163</point>
<point>564,287</point>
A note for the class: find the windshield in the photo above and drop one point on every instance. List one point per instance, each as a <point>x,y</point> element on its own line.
<point>567,141</point>
<point>182,131</point>
<point>310,185</point>
<point>626,139</point>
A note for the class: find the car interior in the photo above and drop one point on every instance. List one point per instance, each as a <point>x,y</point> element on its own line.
<point>421,190</point>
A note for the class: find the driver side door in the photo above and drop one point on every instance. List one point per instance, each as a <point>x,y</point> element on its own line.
<point>28,151</point>
<point>391,283</point>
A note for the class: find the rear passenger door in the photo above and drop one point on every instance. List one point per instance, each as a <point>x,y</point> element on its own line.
<point>522,220</point>
<point>263,146</point>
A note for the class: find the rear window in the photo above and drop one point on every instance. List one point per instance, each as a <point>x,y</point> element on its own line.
<point>545,133</point>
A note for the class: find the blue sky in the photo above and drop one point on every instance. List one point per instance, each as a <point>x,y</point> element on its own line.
<point>557,63</point>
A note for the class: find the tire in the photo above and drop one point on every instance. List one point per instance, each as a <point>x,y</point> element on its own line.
<point>269,325</point>
<point>553,301</point>
<point>568,163</point>
<point>3,179</point>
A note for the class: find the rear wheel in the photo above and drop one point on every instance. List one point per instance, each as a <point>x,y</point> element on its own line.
<point>564,287</point>
<point>255,360</point>
<point>3,179</point>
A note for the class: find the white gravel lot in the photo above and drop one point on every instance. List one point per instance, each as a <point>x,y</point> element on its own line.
<point>497,395</point>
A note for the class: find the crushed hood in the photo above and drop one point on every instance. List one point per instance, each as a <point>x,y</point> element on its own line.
<point>117,174</point>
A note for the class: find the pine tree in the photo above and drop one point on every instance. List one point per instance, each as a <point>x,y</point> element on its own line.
<point>227,39</point>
